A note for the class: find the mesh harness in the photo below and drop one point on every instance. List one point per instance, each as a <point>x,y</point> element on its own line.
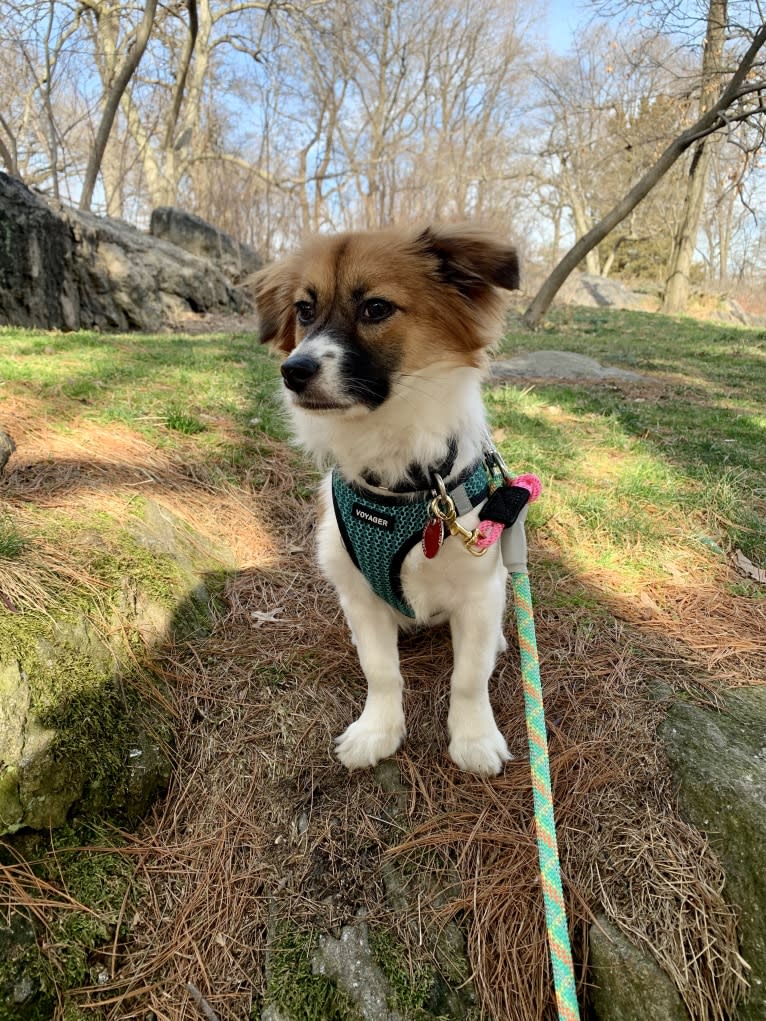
<point>379,531</point>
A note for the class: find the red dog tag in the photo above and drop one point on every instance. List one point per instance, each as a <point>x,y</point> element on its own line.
<point>433,536</point>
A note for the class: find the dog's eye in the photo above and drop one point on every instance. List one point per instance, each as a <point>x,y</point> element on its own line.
<point>374,310</point>
<point>305,312</point>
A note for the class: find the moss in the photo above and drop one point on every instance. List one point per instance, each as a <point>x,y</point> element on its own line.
<point>78,942</point>
<point>411,982</point>
<point>295,990</point>
<point>84,718</point>
<point>26,978</point>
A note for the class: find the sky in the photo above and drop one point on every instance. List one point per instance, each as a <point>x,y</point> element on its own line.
<point>563,16</point>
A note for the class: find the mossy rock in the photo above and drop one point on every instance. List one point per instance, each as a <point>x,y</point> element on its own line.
<point>75,734</point>
<point>626,983</point>
<point>25,991</point>
<point>40,965</point>
<point>366,974</point>
<point>718,761</point>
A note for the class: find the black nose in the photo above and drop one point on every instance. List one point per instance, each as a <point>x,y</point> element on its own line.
<point>298,371</point>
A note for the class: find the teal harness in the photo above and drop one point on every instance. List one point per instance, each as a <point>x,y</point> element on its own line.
<point>379,531</point>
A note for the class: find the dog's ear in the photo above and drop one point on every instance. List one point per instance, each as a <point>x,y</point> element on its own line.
<point>471,259</point>
<point>274,290</point>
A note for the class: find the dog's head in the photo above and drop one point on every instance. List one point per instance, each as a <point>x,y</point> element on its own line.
<point>355,311</point>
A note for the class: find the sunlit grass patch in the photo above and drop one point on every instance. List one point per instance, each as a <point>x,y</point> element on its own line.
<point>614,500</point>
<point>183,422</point>
<point>161,385</point>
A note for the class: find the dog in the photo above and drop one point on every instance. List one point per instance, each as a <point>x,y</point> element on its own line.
<point>386,336</point>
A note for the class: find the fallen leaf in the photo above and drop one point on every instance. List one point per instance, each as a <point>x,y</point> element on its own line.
<point>748,568</point>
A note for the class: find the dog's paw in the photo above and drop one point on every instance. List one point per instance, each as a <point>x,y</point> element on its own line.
<point>374,736</point>
<point>484,754</point>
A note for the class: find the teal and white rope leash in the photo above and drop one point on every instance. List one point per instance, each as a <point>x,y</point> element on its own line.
<point>545,824</point>
<point>514,553</point>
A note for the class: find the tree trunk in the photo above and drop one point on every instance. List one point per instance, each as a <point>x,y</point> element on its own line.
<point>685,241</point>
<point>712,120</point>
<point>112,103</point>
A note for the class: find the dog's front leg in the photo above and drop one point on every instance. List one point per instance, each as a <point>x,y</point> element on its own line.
<point>476,744</point>
<point>380,729</point>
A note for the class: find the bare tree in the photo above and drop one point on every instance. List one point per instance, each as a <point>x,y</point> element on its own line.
<point>677,286</point>
<point>112,96</point>
<point>743,99</point>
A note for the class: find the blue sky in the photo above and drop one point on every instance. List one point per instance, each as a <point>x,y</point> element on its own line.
<point>563,16</point>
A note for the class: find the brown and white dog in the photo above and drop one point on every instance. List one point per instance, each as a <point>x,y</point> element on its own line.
<point>386,334</point>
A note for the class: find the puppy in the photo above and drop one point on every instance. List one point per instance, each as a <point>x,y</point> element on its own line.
<point>386,335</point>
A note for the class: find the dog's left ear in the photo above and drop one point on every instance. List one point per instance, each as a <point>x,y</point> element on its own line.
<point>274,289</point>
<point>471,259</point>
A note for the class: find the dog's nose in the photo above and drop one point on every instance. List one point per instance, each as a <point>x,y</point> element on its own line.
<point>298,371</point>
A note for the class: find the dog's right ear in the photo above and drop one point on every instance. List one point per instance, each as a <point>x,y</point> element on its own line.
<point>274,289</point>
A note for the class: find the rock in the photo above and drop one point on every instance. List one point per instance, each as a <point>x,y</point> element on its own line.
<point>195,235</point>
<point>25,992</point>
<point>556,365</point>
<point>70,736</point>
<point>627,983</point>
<point>74,734</point>
<point>349,961</point>
<point>7,447</point>
<point>64,269</point>
<point>599,292</point>
<point>730,311</point>
<point>718,761</point>
<point>37,284</point>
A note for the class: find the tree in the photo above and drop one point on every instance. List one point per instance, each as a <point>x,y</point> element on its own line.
<point>113,94</point>
<point>604,106</point>
<point>684,242</point>
<point>743,99</point>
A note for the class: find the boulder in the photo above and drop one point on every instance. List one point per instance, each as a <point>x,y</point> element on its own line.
<point>599,292</point>
<point>626,983</point>
<point>556,365</point>
<point>195,235</point>
<point>61,268</point>
<point>718,761</point>
<point>7,447</point>
<point>76,735</point>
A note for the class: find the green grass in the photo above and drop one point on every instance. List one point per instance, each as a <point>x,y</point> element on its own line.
<point>644,477</point>
<point>163,386</point>
<point>640,478</point>
<point>12,543</point>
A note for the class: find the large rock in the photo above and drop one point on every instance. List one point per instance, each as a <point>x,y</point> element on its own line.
<point>195,235</point>
<point>556,365</point>
<point>75,732</point>
<point>599,292</point>
<point>718,762</point>
<point>626,984</point>
<point>64,269</point>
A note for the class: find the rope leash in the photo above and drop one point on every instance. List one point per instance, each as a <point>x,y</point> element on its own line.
<point>545,824</point>
<point>506,506</point>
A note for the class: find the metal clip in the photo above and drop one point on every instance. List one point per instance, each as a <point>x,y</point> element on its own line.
<point>443,507</point>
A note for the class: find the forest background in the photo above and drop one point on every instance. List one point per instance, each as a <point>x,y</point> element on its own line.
<point>274,118</point>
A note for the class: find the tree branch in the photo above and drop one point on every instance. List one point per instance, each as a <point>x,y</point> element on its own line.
<point>709,122</point>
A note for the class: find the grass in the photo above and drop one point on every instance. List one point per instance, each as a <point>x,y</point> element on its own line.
<point>643,478</point>
<point>160,386</point>
<point>649,487</point>
<point>12,542</point>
